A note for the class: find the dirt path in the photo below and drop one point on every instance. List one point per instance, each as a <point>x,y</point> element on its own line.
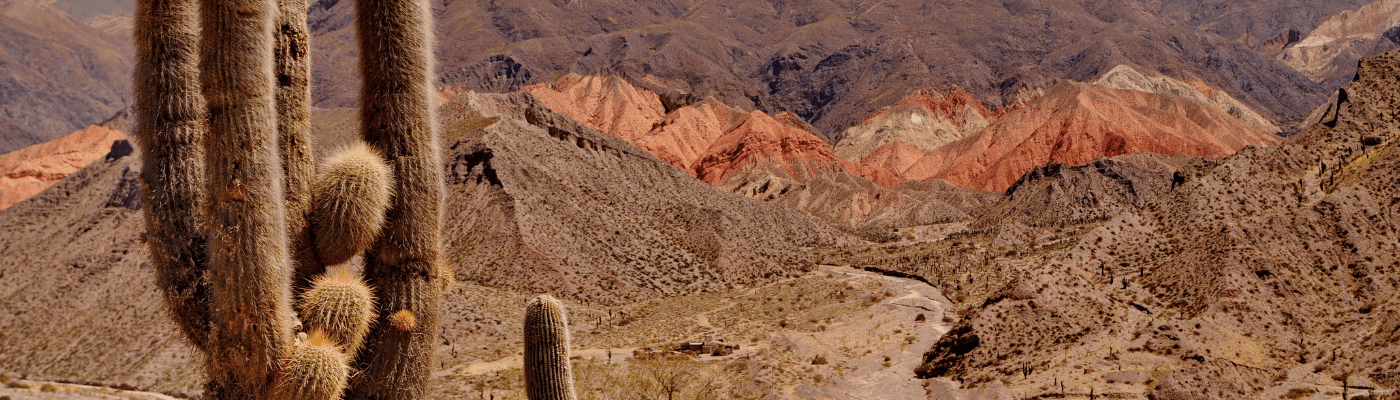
<point>874,377</point>
<point>43,390</point>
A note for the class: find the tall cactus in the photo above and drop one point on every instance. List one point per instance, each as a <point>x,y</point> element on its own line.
<point>229,210</point>
<point>548,374</point>
<point>397,116</point>
<point>248,256</point>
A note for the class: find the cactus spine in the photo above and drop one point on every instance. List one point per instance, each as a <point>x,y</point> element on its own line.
<point>396,113</point>
<point>548,374</point>
<point>248,238</point>
<point>170,132</point>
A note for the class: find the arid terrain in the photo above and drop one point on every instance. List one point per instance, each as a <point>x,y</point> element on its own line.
<point>956,199</point>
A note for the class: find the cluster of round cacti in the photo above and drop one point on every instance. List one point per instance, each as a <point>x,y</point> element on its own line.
<point>349,196</point>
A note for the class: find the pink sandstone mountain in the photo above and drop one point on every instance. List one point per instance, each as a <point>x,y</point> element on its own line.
<point>28,171</point>
<point>1073,124</point>
<point>710,140</point>
<point>1128,78</point>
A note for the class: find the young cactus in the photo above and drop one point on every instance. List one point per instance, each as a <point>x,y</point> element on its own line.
<point>351,192</point>
<point>316,369</point>
<point>548,374</point>
<point>340,305</point>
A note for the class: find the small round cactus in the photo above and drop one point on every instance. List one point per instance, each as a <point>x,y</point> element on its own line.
<point>340,305</point>
<point>403,320</point>
<point>316,369</point>
<point>351,192</point>
<point>548,374</point>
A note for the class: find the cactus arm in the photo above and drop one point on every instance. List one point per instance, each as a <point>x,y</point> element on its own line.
<point>293,68</point>
<point>396,112</point>
<point>247,230</point>
<point>170,131</point>
<point>548,374</point>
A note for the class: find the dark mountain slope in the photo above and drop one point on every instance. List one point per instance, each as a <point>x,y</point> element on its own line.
<point>1265,25</point>
<point>831,62</point>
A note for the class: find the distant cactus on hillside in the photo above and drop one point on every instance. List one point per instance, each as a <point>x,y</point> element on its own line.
<point>548,374</point>
<point>230,211</point>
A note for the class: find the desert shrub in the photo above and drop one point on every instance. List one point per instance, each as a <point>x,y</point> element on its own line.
<point>1298,393</point>
<point>819,360</point>
<point>48,388</point>
<point>17,385</point>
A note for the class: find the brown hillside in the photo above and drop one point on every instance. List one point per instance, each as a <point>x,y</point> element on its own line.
<point>1329,53</point>
<point>589,216</point>
<point>1271,270</point>
<point>59,74</point>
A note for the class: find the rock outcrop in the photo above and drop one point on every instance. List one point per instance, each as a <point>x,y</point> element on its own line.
<point>1329,53</point>
<point>28,171</point>
<point>924,120</point>
<point>1126,78</point>
<point>1075,123</point>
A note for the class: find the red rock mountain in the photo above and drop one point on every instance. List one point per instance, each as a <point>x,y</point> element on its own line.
<point>1073,124</point>
<point>28,171</point>
<point>775,158</point>
<point>710,140</point>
